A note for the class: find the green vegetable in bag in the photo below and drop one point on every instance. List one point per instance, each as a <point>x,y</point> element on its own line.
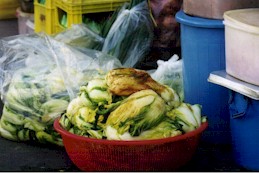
<point>30,107</point>
<point>39,76</point>
<point>131,34</point>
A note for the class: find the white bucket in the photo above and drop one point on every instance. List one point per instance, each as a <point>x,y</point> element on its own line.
<point>242,44</point>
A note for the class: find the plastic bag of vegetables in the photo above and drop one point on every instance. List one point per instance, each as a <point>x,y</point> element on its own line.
<point>126,35</point>
<point>38,78</point>
<point>80,35</point>
<point>127,104</point>
<point>131,34</point>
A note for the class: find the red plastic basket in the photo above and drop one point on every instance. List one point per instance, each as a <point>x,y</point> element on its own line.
<point>166,154</point>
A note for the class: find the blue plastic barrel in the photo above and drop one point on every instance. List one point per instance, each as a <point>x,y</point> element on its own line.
<point>203,51</point>
<point>244,113</point>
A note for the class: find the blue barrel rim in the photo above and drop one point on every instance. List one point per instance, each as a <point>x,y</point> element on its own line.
<point>195,21</point>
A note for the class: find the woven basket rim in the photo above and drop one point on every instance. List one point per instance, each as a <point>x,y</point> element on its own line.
<point>193,134</point>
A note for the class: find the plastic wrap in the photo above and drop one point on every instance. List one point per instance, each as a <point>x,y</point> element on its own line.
<point>80,35</point>
<point>38,77</point>
<point>131,34</point>
<point>127,35</point>
<point>170,73</point>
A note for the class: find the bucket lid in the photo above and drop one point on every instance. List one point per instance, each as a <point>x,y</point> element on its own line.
<point>195,21</point>
<point>225,80</point>
<point>246,19</point>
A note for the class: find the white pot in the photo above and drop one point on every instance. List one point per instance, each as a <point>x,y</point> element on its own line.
<point>242,44</point>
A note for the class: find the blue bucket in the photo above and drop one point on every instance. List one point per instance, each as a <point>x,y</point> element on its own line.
<point>244,113</point>
<point>203,51</point>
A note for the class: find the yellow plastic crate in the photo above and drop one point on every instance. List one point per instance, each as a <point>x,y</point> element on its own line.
<point>45,3</point>
<point>44,16</point>
<point>91,2</point>
<point>75,10</point>
<point>89,8</point>
<point>8,8</point>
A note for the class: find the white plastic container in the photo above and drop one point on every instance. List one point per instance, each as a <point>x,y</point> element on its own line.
<point>242,44</point>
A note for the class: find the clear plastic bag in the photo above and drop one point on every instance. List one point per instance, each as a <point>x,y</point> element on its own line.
<point>80,35</point>
<point>131,35</point>
<point>38,77</point>
<point>127,36</point>
<point>170,73</point>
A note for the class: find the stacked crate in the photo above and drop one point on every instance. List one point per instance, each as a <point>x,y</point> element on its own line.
<point>44,16</point>
<point>53,16</point>
<point>7,9</point>
<point>68,12</point>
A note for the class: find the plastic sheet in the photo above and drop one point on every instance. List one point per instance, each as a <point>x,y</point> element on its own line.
<point>130,36</point>
<point>127,35</point>
<point>38,77</point>
<point>170,73</point>
<point>80,35</point>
